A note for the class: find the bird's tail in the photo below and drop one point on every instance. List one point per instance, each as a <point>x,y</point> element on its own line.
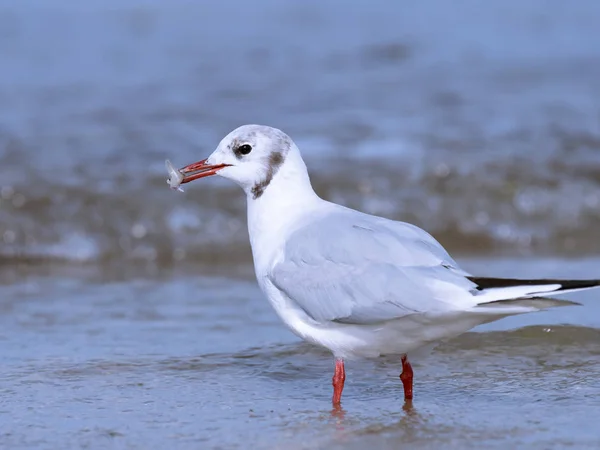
<point>489,290</point>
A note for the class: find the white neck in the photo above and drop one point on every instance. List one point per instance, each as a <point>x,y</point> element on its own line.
<point>286,201</point>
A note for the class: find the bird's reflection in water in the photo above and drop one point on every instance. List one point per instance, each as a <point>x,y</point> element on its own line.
<point>338,413</point>
<point>348,426</point>
<point>411,416</point>
<point>409,409</point>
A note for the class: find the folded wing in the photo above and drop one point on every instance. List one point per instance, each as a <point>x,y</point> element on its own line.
<point>353,268</point>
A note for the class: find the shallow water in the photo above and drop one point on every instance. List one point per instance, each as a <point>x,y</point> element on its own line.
<point>203,362</point>
<point>480,124</point>
<point>129,316</point>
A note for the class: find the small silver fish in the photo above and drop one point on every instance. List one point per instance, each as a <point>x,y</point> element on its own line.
<point>175,176</point>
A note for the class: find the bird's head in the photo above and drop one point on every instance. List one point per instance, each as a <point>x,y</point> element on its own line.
<point>251,156</point>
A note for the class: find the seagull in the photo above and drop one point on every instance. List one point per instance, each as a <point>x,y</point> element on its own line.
<point>359,285</point>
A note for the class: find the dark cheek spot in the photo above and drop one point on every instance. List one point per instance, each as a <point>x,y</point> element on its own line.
<point>275,161</point>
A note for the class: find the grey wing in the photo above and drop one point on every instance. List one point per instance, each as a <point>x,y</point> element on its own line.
<point>354,268</point>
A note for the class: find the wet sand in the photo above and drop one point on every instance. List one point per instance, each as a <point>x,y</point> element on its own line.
<point>141,363</point>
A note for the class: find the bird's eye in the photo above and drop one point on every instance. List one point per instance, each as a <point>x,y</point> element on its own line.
<point>244,149</point>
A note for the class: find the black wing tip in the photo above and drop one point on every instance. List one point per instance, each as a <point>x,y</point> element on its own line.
<point>490,283</point>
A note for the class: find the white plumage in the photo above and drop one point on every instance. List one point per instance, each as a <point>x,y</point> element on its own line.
<point>357,284</point>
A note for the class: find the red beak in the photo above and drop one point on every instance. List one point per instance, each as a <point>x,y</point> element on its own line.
<point>199,169</point>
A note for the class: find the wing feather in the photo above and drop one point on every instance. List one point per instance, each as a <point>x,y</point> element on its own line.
<point>356,268</point>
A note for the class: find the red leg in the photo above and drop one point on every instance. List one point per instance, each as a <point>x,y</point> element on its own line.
<point>338,382</point>
<point>407,378</point>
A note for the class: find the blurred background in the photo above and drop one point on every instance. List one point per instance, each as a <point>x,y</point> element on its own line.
<point>478,121</point>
